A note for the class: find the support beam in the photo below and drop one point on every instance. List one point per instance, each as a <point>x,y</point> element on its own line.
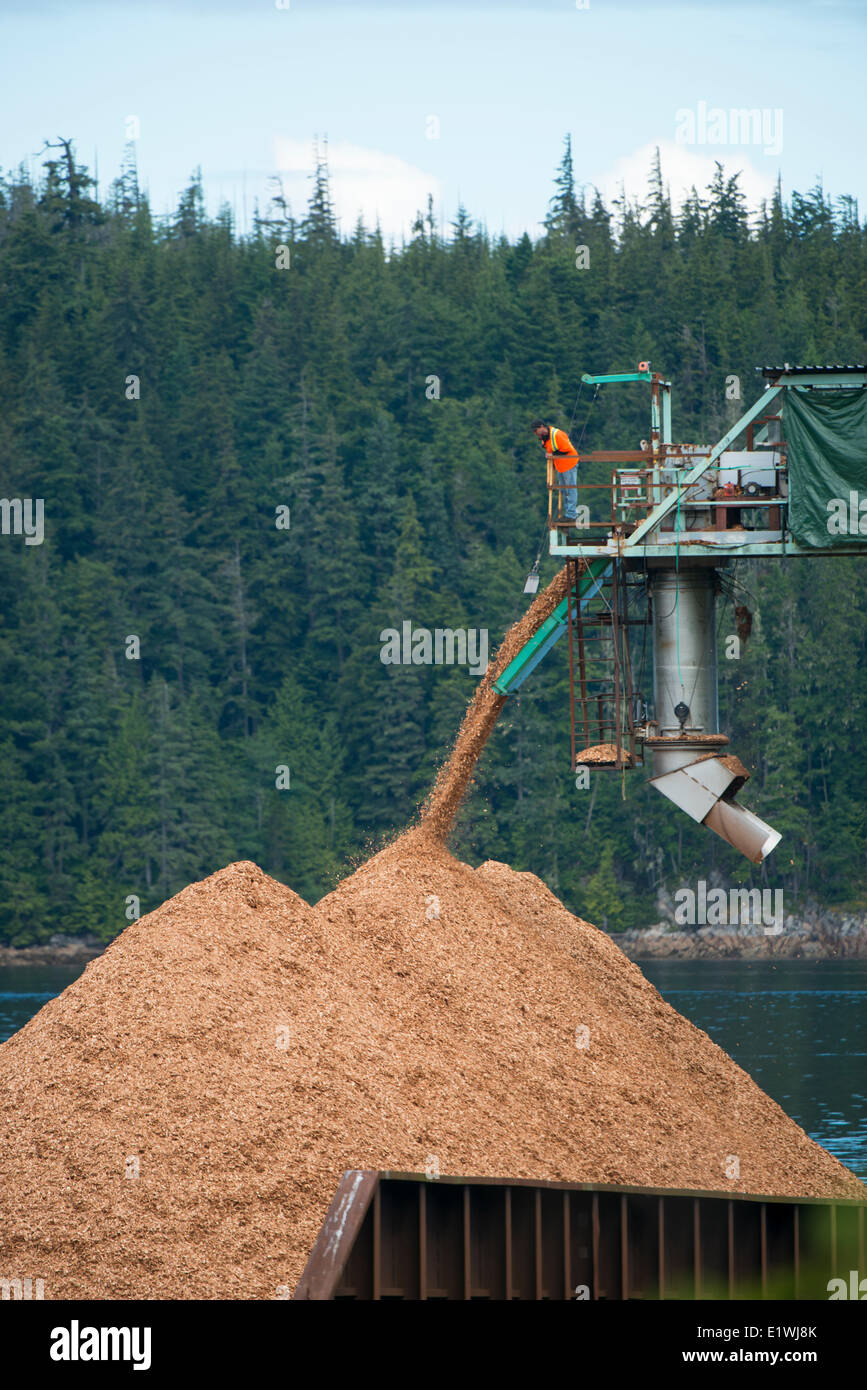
<point>666,412</point>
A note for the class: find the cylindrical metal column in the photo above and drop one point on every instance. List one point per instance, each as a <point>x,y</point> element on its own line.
<point>684,652</point>
<point>687,714</point>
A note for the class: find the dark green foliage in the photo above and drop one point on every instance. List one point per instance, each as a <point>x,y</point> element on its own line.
<point>310,387</point>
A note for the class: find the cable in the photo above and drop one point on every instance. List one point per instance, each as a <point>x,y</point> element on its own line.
<point>575,406</point>
<point>643,668</point>
<point>677,582</point>
<point>586,422</point>
<point>535,569</point>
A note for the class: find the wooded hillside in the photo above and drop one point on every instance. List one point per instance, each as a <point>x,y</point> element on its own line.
<point>291,369</point>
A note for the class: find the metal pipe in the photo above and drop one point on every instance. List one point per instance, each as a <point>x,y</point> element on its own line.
<point>684,653</point>
<point>743,829</point>
<point>687,713</point>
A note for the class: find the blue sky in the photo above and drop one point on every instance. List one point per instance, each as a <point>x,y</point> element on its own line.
<point>469,101</point>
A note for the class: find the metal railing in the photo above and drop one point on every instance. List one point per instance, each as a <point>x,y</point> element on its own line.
<point>706,503</point>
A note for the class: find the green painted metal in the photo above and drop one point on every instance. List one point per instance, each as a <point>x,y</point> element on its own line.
<point>616,376</point>
<point>505,683</point>
<point>547,634</point>
<point>691,475</point>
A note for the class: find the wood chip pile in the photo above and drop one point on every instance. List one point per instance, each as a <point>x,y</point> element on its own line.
<point>600,753</point>
<point>175,1123</point>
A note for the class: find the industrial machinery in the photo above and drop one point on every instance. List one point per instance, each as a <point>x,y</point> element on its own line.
<point>677,515</point>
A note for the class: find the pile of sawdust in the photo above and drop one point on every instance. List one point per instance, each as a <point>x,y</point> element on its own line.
<point>177,1120</point>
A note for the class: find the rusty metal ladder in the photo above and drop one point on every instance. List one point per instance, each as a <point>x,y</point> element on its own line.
<point>602,696</point>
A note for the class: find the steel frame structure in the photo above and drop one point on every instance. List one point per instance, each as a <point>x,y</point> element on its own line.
<point>647,537</point>
<point>641,546</point>
<point>402,1236</point>
<point>699,782</point>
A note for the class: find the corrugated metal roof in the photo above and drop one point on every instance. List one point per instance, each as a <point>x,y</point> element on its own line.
<point>797,371</point>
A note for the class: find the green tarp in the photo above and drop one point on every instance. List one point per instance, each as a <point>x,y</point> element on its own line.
<point>826,434</point>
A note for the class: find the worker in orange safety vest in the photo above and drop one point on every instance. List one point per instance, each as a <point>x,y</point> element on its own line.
<point>564,457</point>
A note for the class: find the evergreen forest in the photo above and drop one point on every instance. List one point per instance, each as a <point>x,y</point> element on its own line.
<point>257,452</point>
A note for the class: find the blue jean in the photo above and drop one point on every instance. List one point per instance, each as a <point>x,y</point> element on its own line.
<point>568,490</point>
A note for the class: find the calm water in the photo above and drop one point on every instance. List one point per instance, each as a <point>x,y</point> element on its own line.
<point>25,988</point>
<point>798,1027</point>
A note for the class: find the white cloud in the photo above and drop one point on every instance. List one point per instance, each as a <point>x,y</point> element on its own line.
<point>380,186</point>
<point>682,167</point>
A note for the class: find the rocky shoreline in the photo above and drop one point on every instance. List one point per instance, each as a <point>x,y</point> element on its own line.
<point>61,951</point>
<point>824,937</point>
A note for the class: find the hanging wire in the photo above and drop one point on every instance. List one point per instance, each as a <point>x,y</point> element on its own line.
<point>587,420</point>
<point>677,583</point>
<point>536,562</point>
<point>575,406</point>
<point>729,597</point>
<point>731,585</point>
<point>643,666</point>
